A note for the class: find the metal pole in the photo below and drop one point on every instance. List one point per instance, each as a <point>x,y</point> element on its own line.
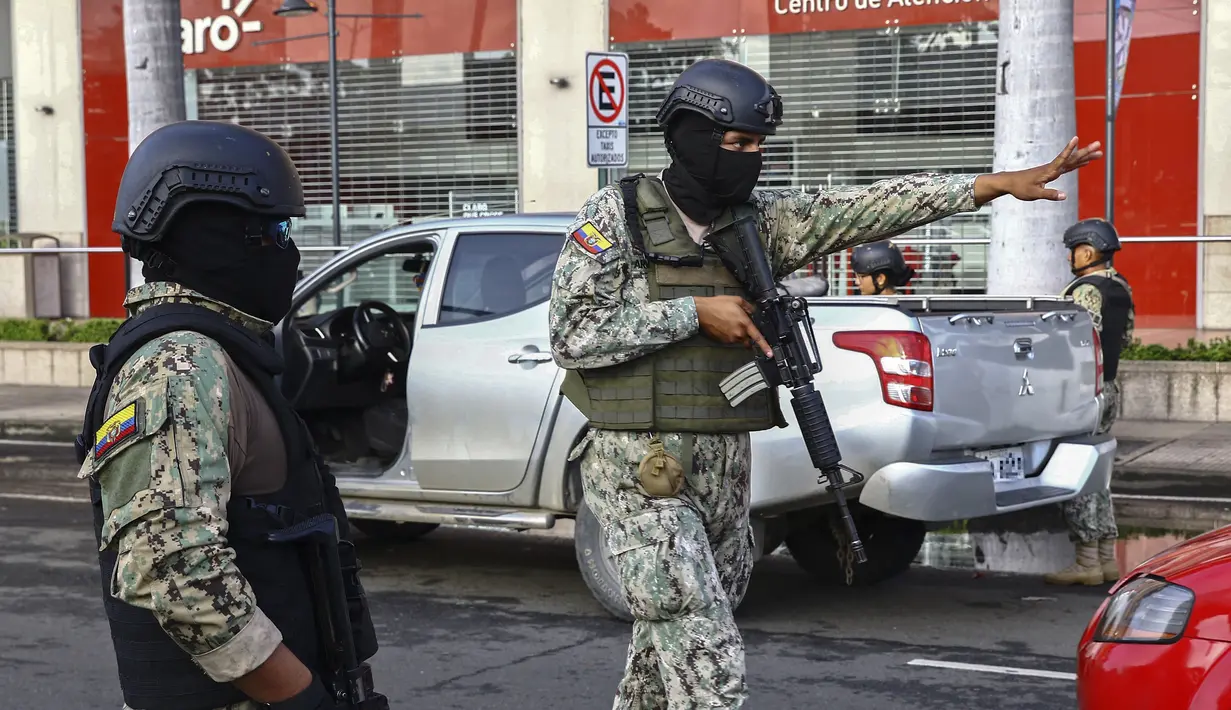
<point>333,122</point>
<point>1109,148</point>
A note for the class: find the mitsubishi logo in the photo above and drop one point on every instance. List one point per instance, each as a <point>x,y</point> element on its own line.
<point>1026,389</point>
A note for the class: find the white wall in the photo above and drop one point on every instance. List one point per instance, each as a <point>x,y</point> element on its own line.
<point>50,179</point>
<point>1216,164</point>
<point>553,37</point>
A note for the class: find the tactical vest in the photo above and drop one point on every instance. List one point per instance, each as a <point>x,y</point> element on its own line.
<point>675,388</point>
<point>155,674</point>
<point>1117,307</point>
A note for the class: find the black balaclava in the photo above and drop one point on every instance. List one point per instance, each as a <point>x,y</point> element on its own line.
<point>703,176</point>
<point>215,249</point>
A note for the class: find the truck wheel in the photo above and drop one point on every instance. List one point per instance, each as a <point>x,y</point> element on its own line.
<point>597,568</point>
<point>391,530</point>
<point>890,543</point>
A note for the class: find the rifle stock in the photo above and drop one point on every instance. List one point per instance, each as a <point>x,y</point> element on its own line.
<point>796,359</point>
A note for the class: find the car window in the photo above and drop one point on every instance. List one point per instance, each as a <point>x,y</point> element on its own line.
<point>395,279</point>
<point>497,274</point>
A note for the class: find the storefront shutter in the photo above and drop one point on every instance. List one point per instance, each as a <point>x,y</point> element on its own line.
<point>8,136</point>
<point>859,106</point>
<point>420,136</point>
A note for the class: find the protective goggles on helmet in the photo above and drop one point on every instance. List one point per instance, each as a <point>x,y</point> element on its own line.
<point>278,232</point>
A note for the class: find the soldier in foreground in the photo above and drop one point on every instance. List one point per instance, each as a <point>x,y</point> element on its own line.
<point>198,467</point>
<point>648,322</point>
<point>1105,293</point>
<point>880,269</point>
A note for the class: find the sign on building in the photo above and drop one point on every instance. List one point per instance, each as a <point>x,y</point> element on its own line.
<point>220,33</point>
<point>607,109</point>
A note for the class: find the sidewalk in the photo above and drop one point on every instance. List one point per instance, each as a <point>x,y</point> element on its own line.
<point>1154,458</point>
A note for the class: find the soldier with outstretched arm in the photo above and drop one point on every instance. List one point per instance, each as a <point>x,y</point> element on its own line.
<point>648,322</point>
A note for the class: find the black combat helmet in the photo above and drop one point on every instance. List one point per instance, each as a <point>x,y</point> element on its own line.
<point>1098,233</point>
<point>882,257</point>
<point>198,161</point>
<point>733,95</point>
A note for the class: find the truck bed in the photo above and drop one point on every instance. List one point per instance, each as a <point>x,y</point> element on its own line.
<point>983,384</point>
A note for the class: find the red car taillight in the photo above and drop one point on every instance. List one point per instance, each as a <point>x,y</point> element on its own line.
<point>903,361</point>
<point>1098,364</point>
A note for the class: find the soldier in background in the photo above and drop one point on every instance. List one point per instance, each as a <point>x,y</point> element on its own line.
<point>880,269</point>
<point>1105,293</point>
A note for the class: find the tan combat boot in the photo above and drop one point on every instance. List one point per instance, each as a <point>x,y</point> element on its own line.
<point>1085,570</point>
<point>1107,556</point>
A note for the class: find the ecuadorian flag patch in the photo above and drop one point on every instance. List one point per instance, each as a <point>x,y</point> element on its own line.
<point>122,426</point>
<point>591,239</point>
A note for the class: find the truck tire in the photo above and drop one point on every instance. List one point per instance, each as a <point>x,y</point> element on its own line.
<point>890,543</point>
<point>392,531</point>
<point>597,568</point>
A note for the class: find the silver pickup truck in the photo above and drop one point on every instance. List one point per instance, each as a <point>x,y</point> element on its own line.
<point>420,359</point>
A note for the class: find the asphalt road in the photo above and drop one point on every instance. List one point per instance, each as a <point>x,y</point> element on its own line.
<point>473,619</point>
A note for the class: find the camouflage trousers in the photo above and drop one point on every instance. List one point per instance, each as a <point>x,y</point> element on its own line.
<point>1091,518</point>
<point>684,564</point>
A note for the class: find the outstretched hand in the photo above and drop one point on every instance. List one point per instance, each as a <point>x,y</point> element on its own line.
<point>1031,184</point>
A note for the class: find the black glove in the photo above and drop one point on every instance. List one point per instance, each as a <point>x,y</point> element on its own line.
<point>313,697</point>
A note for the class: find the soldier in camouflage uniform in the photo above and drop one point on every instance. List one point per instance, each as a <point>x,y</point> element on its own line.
<point>191,453</point>
<point>648,323</point>
<point>1106,294</point>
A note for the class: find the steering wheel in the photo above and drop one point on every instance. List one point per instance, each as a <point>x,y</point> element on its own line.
<point>385,338</point>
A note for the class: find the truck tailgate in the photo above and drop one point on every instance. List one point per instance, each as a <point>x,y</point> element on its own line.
<point>1009,377</point>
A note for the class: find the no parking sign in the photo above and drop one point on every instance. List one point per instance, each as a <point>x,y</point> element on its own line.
<point>607,109</point>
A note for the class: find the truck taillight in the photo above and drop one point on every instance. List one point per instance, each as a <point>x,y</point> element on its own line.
<point>903,361</point>
<point>1098,364</point>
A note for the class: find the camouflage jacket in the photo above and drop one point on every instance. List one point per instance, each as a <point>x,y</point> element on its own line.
<point>165,492</point>
<point>601,313</point>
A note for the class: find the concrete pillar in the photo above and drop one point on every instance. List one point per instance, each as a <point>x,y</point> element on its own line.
<point>50,134</point>
<point>553,37</point>
<point>1216,164</point>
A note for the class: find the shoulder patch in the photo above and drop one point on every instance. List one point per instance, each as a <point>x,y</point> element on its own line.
<point>591,239</point>
<point>122,426</point>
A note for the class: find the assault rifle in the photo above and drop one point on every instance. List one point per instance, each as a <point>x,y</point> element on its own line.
<point>778,318</point>
<point>350,681</point>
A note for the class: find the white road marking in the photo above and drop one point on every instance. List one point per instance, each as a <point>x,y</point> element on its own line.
<point>1007,670</point>
<point>52,499</point>
<point>31,442</point>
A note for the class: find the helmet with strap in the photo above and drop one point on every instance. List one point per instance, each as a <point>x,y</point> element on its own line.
<point>189,162</point>
<point>1098,233</point>
<point>734,96</point>
<point>882,258</point>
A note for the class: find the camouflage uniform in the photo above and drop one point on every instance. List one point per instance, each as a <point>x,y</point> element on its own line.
<point>165,496</point>
<point>1090,517</point>
<point>684,562</point>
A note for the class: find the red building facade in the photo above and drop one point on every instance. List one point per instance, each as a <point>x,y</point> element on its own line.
<point>430,109</point>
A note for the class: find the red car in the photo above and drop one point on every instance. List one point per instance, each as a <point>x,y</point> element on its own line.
<point>1162,638</point>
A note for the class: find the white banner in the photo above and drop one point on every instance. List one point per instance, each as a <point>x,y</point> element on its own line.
<point>1124,30</point>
